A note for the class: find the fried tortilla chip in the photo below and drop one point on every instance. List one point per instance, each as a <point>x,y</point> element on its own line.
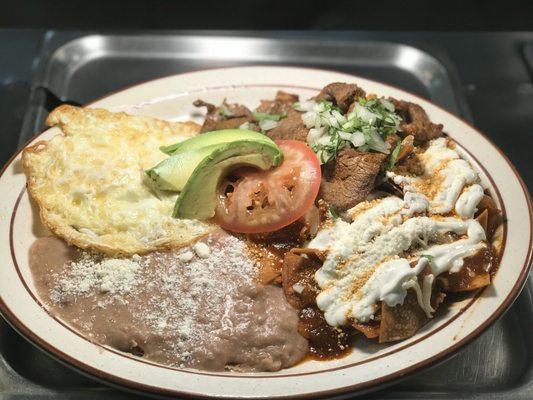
<point>299,267</point>
<point>483,219</point>
<point>371,330</point>
<point>494,215</point>
<point>402,321</point>
<point>474,274</point>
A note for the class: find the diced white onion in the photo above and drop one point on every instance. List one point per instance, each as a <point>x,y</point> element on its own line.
<point>333,121</point>
<point>314,135</point>
<point>358,139</point>
<point>388,105</point>
<point>318,121</point>
<point>365,114</point>
<point>305,105</point>
<point>267,124</point>
<point>324,119</point>
<point>341,119</point>
<point>377,143</point>
<point>345,135</point>
<point>325,122</point>
<point>246,125</point>
<point>349,124</point>
<point>319,107</point>
<point>324,140</point>
<point>309,118</point>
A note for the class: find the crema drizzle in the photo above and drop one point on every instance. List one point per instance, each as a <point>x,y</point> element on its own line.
<point>390,241</point>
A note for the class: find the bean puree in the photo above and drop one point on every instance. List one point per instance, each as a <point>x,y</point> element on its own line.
<point>198,307</point>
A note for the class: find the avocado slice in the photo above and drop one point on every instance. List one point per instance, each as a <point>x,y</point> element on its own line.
<point>172,173</point>
<point>198,198</point>
<point>214,137</point>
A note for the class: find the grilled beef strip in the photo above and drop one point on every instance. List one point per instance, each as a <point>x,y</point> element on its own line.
<point>291,127</point>
<point>350,178</point>
<point>342,94</point>
<point>227,116</point>
<point>282,103</point>
<point>415,121</point>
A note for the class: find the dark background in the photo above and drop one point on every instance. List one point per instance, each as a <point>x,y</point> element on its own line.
<point>433,15</point>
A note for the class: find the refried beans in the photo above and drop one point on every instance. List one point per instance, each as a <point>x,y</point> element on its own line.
<point>197,307</point>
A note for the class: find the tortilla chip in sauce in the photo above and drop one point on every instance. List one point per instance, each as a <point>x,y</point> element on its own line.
<point>299,267</point>
<point>402,321</point>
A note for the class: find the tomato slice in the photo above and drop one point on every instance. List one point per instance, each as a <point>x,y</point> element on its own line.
<point>254,201</point>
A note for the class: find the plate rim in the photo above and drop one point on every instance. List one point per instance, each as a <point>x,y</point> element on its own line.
<point>381,381</point>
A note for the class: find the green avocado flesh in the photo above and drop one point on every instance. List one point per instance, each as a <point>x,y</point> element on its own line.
<point>214,138</point>
<point>173,173</point>
<point>198,199</point>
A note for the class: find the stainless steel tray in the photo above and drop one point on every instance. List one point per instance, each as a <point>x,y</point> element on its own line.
<point>498,365</point>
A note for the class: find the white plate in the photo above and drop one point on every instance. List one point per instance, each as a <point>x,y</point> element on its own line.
<point>369,365</point>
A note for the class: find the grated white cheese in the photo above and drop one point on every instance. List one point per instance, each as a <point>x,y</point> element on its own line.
<point>298,288</point>
<point>109,275</point>
<point>116,275</point>
<point>175,295</point>
<point>201,250</point>
<point>186,257</point>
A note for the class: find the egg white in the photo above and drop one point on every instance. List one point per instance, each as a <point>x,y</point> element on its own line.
<point>90,185</point>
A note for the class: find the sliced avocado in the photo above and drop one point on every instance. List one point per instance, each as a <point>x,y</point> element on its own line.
<point>198,198</point>
<point>173,173</point>
<point>214,137</point>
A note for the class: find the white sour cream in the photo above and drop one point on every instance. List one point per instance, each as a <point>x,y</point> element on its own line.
<point>353,278</point>
<point>466,205</point>
<point>446,178</point>
<point>366,259</point>
<point>449,257</point>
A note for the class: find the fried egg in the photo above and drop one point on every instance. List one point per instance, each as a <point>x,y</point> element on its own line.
<point>91,188</point>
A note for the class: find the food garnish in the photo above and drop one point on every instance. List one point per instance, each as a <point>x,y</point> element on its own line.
<point>332,213</point>
<point>394,155</point>
<point>212,138</point>
<point>198,199</point>
<point>364,128</point>
<point>260,116</point>
<point>172,173</point>
<point>267,121</point>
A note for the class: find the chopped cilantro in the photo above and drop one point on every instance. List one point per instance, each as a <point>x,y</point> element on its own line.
<point>394,155</point>
<point>259,116</point>
<point>430,258</point>
<point>222,110</point>
<point>364,128</point>
<point>333,213</point>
